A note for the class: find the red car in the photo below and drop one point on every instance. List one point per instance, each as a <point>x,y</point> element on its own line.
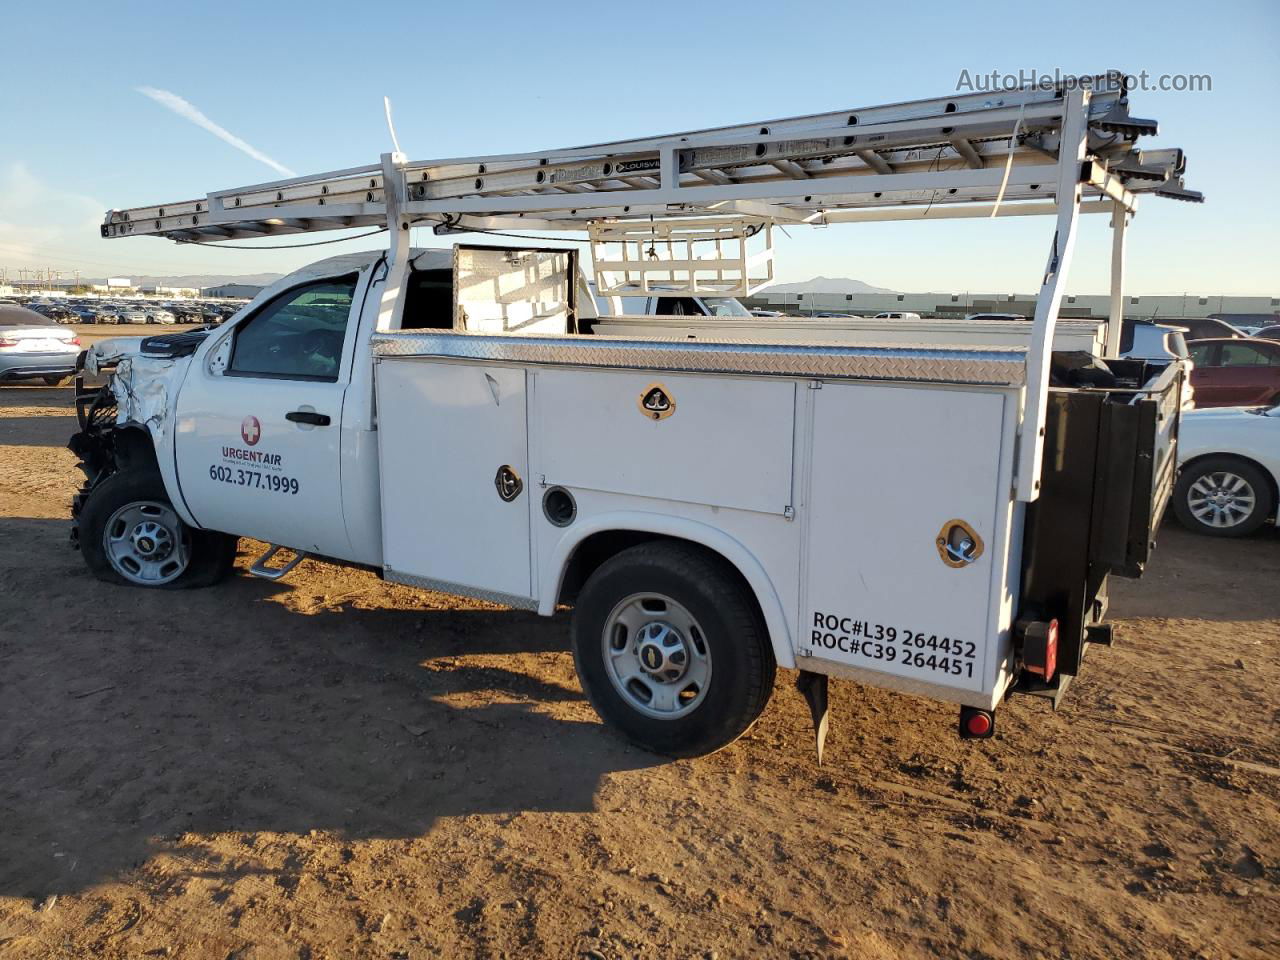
<point>1235,373</point>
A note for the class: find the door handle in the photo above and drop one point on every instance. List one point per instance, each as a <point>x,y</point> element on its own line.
<point>308,416</point>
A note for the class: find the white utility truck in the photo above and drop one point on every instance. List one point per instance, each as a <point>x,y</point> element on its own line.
<point>938,517</point>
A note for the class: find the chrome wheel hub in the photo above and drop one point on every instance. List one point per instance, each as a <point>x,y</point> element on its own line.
<point>1221,499</point>
<point>146,543</point>
<point>656,656</point>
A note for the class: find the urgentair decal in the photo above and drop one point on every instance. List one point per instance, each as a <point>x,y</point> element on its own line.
<point>259,457</point>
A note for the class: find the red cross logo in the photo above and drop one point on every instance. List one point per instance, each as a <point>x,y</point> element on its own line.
<point>251,430</point>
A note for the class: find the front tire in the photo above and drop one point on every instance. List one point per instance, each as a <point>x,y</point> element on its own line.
<point>130,534</point>
<point>1222,497</point>
<point>671,649</point>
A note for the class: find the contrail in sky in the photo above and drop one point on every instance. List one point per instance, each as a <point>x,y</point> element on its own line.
<point>188,111</point>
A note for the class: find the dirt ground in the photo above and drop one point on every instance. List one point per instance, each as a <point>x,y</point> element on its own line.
<point>332,766</point>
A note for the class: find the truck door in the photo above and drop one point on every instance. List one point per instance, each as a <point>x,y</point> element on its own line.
<point>259,421</point>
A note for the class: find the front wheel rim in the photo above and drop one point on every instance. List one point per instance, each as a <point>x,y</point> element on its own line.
<point>657,656</point>
<point>147,544</point>
<point>1221,499</point>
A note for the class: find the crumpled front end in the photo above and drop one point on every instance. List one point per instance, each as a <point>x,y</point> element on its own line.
<point>128,422</point>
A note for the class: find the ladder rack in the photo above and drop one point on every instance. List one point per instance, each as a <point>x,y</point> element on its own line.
<point>819,169</point>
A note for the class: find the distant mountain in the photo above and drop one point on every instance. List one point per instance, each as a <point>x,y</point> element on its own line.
<point>826,285</point>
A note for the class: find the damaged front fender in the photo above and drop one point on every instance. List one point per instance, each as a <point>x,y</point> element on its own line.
<point>129,422</point>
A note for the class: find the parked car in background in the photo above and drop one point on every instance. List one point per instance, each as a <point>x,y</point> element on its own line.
<point>54,311</point>
<point>896,316</point>
<point>1144,340</point>
<point>1229,474</point>
<point>1207,328</point>
<point>995,316</point>
<point>758,312</point>
<point>160,315</point>
<point>33,347</point>
<point>133,314</point>
<point>1269,333</point>
<point>1235,373</point>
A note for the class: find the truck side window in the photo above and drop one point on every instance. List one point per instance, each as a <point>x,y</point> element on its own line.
<point>678,307</point>
<point>428,301</point>
<point>296,336</point>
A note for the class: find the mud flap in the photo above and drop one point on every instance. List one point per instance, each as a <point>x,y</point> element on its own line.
<point>814,687</point>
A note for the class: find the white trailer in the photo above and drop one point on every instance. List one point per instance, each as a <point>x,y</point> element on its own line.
<point>936,512</point>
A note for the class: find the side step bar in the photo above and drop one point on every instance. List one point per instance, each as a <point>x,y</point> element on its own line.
<point>260,568</point>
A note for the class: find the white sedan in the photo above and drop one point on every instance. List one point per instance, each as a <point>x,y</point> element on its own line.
<point>33,347</point>
<point>1229,469</point>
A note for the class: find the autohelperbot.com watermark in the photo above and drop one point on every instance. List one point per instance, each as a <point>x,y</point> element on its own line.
<point>996,81</point>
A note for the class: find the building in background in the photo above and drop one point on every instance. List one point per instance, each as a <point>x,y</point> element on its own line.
<point>1023,304</point>
<point>245,291</point>
<point>162,291</point>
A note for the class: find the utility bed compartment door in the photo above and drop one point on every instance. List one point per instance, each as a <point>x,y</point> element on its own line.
<point>506,290</point>
<point>891,469</point>
<point>446,430</point>
<point>721,441</point>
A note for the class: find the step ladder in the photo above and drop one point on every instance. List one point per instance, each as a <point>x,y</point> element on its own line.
<point>693,212</point>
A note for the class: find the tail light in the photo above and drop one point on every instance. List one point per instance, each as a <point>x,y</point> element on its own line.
<point>976,724</point>
<point>1040,648</point>
<point>7,342</point>
<point>74,341</point>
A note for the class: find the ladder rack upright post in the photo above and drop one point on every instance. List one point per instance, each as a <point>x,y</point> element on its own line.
<point>391,303</point>
<point>1071,155</point>
<point>1115,317</point>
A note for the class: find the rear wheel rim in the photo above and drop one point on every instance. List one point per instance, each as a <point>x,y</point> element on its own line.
<point>147,544</point>
<point>656,656</point>
<point>1221,499</point>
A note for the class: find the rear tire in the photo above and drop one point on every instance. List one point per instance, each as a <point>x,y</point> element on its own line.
<point>56,381</point>
<point>671,649</point>
<point>1222,497</point>
<point>130,535</point>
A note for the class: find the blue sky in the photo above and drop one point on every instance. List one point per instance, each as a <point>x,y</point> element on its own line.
<point>303,83</point>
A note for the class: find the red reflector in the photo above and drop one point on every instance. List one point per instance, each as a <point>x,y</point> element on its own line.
<point>74,341</point>
<point>978,724</point>
<point>1051,651</point>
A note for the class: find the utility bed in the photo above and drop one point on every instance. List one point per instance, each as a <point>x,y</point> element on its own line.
<point>845,470</point>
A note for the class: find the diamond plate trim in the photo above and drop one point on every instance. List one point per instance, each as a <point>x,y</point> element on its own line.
<point>460,590</point>
<point>996,366</point>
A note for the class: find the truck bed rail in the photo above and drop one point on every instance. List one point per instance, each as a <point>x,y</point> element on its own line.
<point>996,366</point>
